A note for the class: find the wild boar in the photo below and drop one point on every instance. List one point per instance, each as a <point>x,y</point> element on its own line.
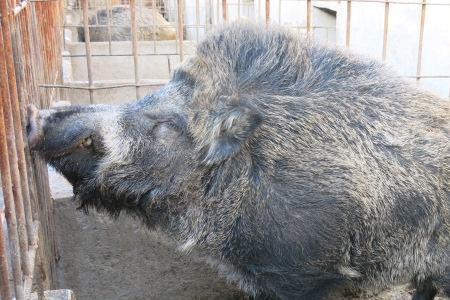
<point>150,25</point>
<point>301,171</point>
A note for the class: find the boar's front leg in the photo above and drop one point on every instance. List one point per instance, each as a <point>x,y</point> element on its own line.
<point>425,290</point>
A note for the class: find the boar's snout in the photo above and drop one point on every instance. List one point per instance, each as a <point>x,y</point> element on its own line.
<point>34,126</point>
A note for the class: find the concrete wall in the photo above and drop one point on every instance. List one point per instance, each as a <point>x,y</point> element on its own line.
<point>403,39</point>
<point>157,61</point>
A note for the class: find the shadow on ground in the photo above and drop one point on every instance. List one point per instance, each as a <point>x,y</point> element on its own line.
<point>101,258</point>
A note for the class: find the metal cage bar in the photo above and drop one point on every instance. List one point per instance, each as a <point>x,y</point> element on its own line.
<point>29,55</point>
<point>87,43</point>
<point>348,23</point>
<point>385,30</point>
<point>421,32</point>
<point>135,49</point>
<point>222,11</point>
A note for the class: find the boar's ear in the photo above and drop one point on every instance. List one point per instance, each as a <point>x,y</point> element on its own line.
<point>230,131</point>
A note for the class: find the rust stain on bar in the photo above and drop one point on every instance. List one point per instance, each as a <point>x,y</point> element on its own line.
<point>5,289</point>
<point>87,43</point>
<point>19,57</point>
<point>225,10</point>
<point>385,30</point>
<point>11,113</point>
<point>154,25</point>
<point>197,17</point>
<point>5,170</point>
<point>180,27</point>
<point>135,46</point>
<point>267,12</point>
<point>348,24</point>
<point>10,213</point>
<point>108,16</point>
<point>420,50</point>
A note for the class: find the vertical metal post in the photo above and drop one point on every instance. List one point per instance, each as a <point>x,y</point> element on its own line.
<point>279,11</point>
<point>259,10</point>
<point>239,9</point>
<point>224,11</point>
<point>385,30</point>
<point>87,43</point>
<point>10,215</point>
<point>180,27</point>
<point>5,289</point>
<point>420,50</point>
<point>5,169</point>
<point>17,73</point>
<point>197,17</point>
<point>154,25</point>
<point>135,46</point>
<point>308,16</point>
<point>348,25</point>
<point>267,12</point>
<point>13,127</point>
<point>108,16</point>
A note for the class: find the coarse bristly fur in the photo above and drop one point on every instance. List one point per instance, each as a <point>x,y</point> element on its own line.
<point>301,171</point>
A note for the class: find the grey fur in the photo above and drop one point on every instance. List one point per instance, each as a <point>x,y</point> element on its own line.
<point>300,170</point>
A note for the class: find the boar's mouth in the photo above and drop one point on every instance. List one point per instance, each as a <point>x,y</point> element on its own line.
<point>79,144</point>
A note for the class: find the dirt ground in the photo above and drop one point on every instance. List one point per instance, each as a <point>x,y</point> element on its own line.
<point>107,259</point>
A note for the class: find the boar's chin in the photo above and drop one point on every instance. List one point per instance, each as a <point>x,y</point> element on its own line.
<point>89,195</point>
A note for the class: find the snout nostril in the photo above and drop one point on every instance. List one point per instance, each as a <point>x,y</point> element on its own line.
<point>33,127</point>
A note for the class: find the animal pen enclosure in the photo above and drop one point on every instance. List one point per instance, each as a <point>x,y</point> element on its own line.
<point>101,51</point>
<point>30,46</point>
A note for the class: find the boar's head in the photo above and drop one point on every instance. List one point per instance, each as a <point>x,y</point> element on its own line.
<point>160,152</point>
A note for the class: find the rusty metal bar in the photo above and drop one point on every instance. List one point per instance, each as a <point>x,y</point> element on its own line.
<point>18,124</point>
<point>154,25</point>
<point>380,1</point>
<point>224,10</point>
<point>5,170</point>
<point>10,214</point>
<point>135,45</point>
<point>5,289</point>
<point>259,9</point>
<point>361,1</point>
<point>108,16</point>
<point>348,24</point>
<point>13,127</point>
<point>180,8</point>
<point>197,17</point>
<point>420,50</point>
<point>267,12</point>
<point>308,16</point>
<point>87,43</point>
<point>141,84</point>
<point>385,30</point>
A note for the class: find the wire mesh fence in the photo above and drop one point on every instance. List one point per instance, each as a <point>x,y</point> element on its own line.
<point>146,39</point>
<point>30,46</point>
